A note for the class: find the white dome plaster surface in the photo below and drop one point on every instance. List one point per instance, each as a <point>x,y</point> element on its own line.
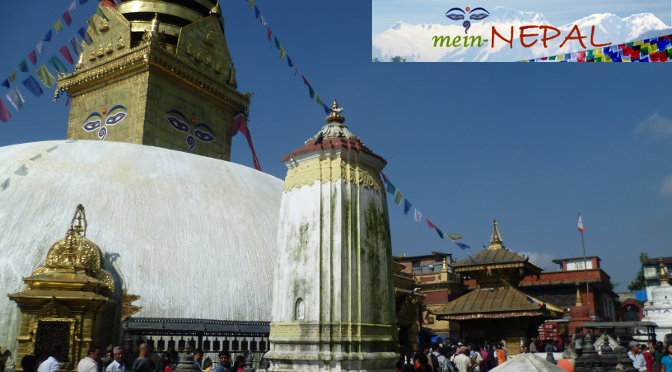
<point>193,236</point>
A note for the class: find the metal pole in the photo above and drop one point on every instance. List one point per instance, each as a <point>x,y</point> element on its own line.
<point>585,269</point>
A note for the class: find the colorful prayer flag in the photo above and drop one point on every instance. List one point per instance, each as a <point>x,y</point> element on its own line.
<point>47,37</point>
<point>439,232</point>
<point>5,83</point>
<point>82,2</point>
<point>305,81</point>
<point>269,33</point>
<point>58,26</point>
<point>251,4</point>
<point>45,77</point>
<point>76,46</point>
<point>66,18</point>
<point>417,216</point>
<point>31,84</point>
<point>580,223</point>
<point>33,57</point>
<point>431,225</point>
<point>282,52</point>
<point>107,4</point>
<point>100,13</point>
<point>454,237</point>
<point>390,188</point>
<point>296,70</point>
<point>463,246</point>
<point>40,47</point>
<point>277,43</point>
<point>326,109</point>
<point>407,206</point>
<point>240,125</point>
<point>58,65</point>
<point>4,112</point>
<point>66,54</point>
<point>398,197</point>
<point>85,35</point>
<point>473,260</point>
<point>311,92</point>
<point>262,21</point>
<point>319,101</point>
<point>92,25</point>
<point>117,2</point>
<point>14,97</point>
<point>257,13</point>
<point>12,76</point>
<point>72,8</point>
<point>23,66</point>
<point>289,61</point>
<point>384,178</point>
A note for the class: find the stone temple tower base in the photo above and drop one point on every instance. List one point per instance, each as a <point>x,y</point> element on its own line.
<point>333,295</point>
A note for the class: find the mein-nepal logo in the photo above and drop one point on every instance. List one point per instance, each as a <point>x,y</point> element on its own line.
<point>455,15</point>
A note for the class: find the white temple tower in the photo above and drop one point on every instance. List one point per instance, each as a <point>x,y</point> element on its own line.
<point>333,291</point>
<point>659,308</point>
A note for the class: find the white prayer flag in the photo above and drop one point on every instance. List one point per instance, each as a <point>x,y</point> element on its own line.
<point>40,47</point>
<point>418,216</point>
<point>14,97</point>
<point>262,21</point>
<point>72,7</point>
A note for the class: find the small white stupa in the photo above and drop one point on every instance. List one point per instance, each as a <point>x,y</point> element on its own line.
<point>659,308</point>
<point>527,363</point>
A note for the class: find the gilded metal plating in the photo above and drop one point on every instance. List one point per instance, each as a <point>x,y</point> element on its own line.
<point>332,170</point>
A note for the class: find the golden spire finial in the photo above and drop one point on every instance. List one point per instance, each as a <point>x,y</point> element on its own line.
<point>335,114</point>
<point>496,239</point>
<point>579,300</point>
<point>216,9</point>
<point>76,223</point>
<point>445,266</point>
<point>663,273</point>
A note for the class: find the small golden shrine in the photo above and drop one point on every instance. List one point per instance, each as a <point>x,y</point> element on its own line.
<point>407,302</point>
<point>68,302</point>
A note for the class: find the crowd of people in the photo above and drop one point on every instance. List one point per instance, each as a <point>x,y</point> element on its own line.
<point>444,357</point>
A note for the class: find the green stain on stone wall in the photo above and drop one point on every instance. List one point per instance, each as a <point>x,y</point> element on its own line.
<point>374,246</point>
<point>301,248</point>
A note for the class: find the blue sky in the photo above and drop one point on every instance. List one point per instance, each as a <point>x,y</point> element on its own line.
<point>558,13</point>
<point>529,144</point>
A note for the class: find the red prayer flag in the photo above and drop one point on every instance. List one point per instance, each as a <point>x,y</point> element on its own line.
<point>627,51</point>
<point>66,18</point>
<point>68,101</point>
<point>33,57</point>
<point>544,58</point>
<point>240,125</point>
<point>662,56</point>
<point>107,4</point>
<point>634,54</point>
<point>269,33</point>
<point>431,225</point>
<point>66,54</point>
<point>304,80</point>
<point>4,113</point>
<point>653,57</point>
<point>621,46</point>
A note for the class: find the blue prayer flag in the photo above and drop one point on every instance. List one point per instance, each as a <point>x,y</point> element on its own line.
<point>463,246</point>
<point>471,258</point>
<point>407,206</point>
<point>568,56</point>
<point>76,47</point>
<point>311,91</point>
<point>289,61</point>
<point>326,109</point>
<point>85,35</point>
<point>440,233</point>
<point>47,37</point>
<point>645,59</point>
<point>256,11</point>
<point>82,2</point>
<point>5,83</point>
<point>390,187</point>
<point>32,85</point>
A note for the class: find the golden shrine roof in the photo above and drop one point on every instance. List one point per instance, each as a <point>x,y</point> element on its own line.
<point>493,303</point>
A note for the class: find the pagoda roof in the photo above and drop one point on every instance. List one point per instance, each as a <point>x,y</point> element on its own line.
<point>493,303</point>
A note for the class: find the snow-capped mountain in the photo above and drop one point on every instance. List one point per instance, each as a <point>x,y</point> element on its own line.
<point>416,43</point>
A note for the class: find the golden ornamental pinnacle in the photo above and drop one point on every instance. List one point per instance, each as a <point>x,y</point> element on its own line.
<point>663,274</point>
<point>335,114</point>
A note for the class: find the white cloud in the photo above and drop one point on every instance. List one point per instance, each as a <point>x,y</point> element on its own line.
<point>655,126</point>
<point>543,260</point>
<point>666,186</point>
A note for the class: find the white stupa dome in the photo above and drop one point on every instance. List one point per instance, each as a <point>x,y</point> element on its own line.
<point>193,236</point>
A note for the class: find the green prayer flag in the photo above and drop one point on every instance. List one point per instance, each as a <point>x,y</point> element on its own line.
<point>318,99</point>
<point>58,26</point>
<point>630,45</point>
<point>552,58</point>
<point>99,13</point>
<point>45,77</point>
<point>92,25</point>
<point>282,52</point>
<point>590,52</point>
<point>58,65</point>
<point>598,59</point>
<point>251,4</point>
<point>644,51</point>
<point>277,43</point>
<point>23,66</point>
<point>12,76</point>
<point>454,237</point>
<point>398,198</point>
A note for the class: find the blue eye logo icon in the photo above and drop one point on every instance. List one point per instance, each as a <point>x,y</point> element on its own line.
<point>480,14</point>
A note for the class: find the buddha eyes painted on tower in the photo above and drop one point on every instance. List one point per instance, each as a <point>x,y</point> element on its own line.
<point>95,120</point>
<point>201,131</point>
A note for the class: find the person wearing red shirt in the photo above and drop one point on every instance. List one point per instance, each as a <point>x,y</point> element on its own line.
<point>648,358</point>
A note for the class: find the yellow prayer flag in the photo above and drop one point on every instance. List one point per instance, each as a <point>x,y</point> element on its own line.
<point>92,25</point>
<point>282,52</point>
<point>639,42</point>
<point>12,76</point>
<point>318,99</point>
<point>626,59</point>
<point>45,77</point>
<point>398,197</point>
<point>560,57</point>
<point>251,4</point>
<point>58,26</point>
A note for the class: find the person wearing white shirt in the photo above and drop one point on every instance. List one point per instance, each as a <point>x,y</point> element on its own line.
<point>638,360</point>
<point>90,363</point>
<point>51,364</point>
<point>118,364</point>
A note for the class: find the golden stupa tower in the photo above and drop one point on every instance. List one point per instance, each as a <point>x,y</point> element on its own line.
<point>157,73</point>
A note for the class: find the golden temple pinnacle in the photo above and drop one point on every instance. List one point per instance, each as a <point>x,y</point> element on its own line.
<point>496,239</point>
<point>335,114</point>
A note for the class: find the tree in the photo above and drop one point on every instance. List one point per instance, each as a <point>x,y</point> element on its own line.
<point>398,59</point>
<point>376,60</point>
<point>639,283</point>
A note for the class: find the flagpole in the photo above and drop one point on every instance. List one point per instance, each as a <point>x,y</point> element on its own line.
<point>585,269</point>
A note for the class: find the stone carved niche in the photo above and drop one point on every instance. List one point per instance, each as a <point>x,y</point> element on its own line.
<point>69,300</point>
